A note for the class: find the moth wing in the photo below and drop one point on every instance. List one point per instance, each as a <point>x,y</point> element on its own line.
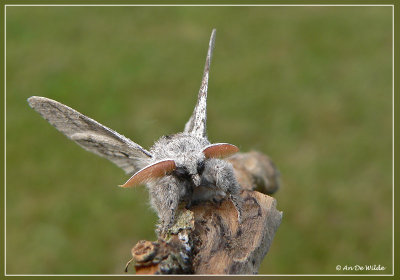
<point>153,171</point>
<point>220,150</point>
<point>91,135</point>
<point>197,122</point>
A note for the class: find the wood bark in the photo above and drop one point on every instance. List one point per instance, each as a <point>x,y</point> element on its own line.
<point>207,238</point>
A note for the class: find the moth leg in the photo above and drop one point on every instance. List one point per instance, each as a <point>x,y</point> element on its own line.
<point>189,197</point>
<point>164,198</point>
<point>220,174</point>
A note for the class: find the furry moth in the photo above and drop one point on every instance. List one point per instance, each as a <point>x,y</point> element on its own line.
<point>184,167</point>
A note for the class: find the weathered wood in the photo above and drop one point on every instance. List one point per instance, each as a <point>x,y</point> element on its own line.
<point>224,246</point>
<point>256,171</point>
<point>207,238</point>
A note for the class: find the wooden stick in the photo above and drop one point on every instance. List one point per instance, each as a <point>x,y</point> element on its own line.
<point>207,239</point>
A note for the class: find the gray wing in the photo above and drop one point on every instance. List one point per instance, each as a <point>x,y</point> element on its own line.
<point>91,135</point>
<point>197,122</point>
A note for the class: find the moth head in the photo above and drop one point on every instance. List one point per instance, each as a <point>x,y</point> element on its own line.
<point>190,168</point>
<point>186,168</point>
<point>151,172</point>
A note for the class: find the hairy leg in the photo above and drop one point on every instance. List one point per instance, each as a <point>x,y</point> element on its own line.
<point>164,198</point>
<point>220,174</point>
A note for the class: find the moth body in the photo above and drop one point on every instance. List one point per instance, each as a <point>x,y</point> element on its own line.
<point>195,178</point>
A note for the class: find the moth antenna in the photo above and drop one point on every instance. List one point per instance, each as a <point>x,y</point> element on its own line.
<point>153,171</point>
<point>220,150</point>
<point>197,122</point>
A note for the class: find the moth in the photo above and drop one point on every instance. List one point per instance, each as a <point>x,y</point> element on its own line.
<point>180,168</point>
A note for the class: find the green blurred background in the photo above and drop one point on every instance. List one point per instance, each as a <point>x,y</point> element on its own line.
<point>309,86</point>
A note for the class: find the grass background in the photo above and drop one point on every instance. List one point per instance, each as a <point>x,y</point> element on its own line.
<point>309,86</point>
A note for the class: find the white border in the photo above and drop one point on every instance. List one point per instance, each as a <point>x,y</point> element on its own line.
<point>5,150</point>
<point>196,5</point>
<point>207,5</point>
<point>393,139</point>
